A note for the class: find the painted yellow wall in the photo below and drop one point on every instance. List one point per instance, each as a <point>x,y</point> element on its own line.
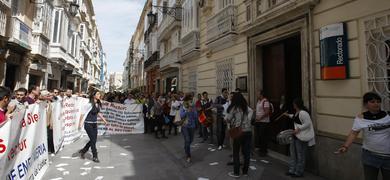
<point>338,101</point>
<point>206,66</point>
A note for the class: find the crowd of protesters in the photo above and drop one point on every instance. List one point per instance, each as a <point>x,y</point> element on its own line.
<point>172,113</point>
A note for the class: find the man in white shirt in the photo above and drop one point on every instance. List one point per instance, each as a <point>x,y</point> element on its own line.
<point>262,123</point>
<point>129,99</point>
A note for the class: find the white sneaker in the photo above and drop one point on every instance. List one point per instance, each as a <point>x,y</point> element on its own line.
<point>231,174</point>
<point>219,148</point>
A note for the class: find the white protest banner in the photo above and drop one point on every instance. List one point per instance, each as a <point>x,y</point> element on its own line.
<point>70,117</point>
<point>23,145</point>
<point>58,128</point>
<point>122,119</point>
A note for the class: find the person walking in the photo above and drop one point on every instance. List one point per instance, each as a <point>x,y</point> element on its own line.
<point>375,124</point>
<point>90,124</point>
<point>189,116</point>
<point>302,138</point>
<point>221,124</point>
<point>239,116</point>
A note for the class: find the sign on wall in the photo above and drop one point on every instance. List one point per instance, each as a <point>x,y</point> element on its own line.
<point>334,52</point>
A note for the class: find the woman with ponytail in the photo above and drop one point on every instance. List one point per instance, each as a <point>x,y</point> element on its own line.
<point>90,124</point>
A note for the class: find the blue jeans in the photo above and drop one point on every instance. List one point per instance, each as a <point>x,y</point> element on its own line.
<point>372,163</point>
<point>298,150</point>
<point>188,134</point>
<point>244,143</point>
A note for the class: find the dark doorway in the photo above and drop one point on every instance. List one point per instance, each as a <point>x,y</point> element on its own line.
<point>34,80</point>
<point>282,83</point>
<point>10,76</point>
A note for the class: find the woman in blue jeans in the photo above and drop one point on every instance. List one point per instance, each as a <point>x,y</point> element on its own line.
<point>375,125</point>
<point>189,117</point>
<point>303,137</point>
<point>90,124</point>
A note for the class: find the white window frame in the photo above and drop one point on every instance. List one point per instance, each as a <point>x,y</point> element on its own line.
<point>57,30</point>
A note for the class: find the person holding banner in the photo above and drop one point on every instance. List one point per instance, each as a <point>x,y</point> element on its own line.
<point>90,124</point>
<point>5,97</point>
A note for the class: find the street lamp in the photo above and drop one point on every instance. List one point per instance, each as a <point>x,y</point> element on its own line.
<point>151,18</point>
<point>73,8</point>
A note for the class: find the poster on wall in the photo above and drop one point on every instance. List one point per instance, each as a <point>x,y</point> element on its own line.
<point>334,52</point>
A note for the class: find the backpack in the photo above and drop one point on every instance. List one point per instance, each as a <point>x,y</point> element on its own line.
<point>271,108</point>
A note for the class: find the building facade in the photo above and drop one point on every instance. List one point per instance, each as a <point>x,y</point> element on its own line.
<point>42,44</point>
<point>116,81</point>
<point>275,46</point>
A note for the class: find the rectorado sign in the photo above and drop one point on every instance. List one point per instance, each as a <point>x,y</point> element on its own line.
<point>334,52</point>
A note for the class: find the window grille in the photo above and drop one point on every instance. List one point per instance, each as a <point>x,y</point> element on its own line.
<point>225,74</point>
<point>192,81</point>
<point>377,31</point>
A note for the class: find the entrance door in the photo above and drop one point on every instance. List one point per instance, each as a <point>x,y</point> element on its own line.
<point>10,76</point>
<point>281,83</point>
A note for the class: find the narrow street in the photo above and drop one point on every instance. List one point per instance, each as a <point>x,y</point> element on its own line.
<point>125,157</point>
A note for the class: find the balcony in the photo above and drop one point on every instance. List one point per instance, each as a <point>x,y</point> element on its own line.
<point>168,24</point>
<point>170,59</point>
<point>3,21</point>
<point>190,44</point>
<point>40,46</point>
<point>59,53</point>
<point>222,25</point>
<point>152,61</point>
<point>21,33</point>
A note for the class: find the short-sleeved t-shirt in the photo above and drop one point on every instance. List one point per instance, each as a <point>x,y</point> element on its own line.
<point>376,131</point>
<point>260,106</point>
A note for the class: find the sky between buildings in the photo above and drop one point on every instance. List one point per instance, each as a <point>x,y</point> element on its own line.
<point>117,20</point>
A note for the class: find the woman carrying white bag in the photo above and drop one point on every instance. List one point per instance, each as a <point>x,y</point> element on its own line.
<point>302,138</point>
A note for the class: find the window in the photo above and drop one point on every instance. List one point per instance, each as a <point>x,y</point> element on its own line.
<point>224,3</point>
<point>192,81</point>
<point>258,7</point>
<point>248,13</point>
<point>57,26</point>
<point>82,27</point>
<point>72,45</point>
<point>225,74</point>
<point>190,17</point>
<point>378,57</point>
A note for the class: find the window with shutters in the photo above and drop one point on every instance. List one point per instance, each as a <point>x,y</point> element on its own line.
<point>377,31</point>
<point>225,74</point>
